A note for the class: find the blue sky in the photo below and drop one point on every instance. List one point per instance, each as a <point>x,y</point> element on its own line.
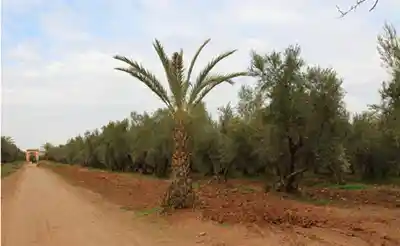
<point>57,67</point>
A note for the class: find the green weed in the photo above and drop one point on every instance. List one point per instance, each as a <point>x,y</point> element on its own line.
<point>148,211</point>
<point>9,168</point>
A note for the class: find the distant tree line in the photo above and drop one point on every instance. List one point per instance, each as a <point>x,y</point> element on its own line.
<point>9,151</point>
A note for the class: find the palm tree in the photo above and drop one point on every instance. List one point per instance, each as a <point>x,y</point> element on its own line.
<point>184,95</point>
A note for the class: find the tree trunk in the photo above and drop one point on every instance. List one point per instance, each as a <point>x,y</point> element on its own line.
<point>337,174</point>
<point>180,192</point>
<point>290,179</point>
<point>288,176</point>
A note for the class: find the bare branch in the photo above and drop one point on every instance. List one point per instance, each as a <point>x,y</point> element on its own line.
<point>354,7</point>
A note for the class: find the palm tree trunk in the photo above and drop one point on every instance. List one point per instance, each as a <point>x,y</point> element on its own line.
<point>180,192</point>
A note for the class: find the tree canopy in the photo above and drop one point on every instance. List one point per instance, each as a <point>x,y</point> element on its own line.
<point>9,150</point>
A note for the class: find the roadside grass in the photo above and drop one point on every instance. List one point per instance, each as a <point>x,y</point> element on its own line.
<point>355,186</point>
<point>126,208</point>
<point>9,168</point>
<point>351,186</point>
<point>245,189</point>
<point>196,185</point>
<point>395,181</point>
<point>390,181</point>
<point>224,224</point>
<point>148,211</point>
<point>348,186</point>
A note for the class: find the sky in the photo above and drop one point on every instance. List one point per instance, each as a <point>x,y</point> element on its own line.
<point>58,77</point>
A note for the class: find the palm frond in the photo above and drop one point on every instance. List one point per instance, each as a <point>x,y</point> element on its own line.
<point>185,82</point>
<point>139,72</point>
<point>195,59</point>
<point>211,82</point>
<point>177,65</point>
<point>178,73</point>
<point>174,84</point>
<point>204,73</point>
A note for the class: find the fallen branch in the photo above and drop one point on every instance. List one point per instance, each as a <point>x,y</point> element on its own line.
<point>283,183</point>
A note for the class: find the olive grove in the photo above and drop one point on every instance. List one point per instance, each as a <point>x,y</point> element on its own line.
<point>291,122</point>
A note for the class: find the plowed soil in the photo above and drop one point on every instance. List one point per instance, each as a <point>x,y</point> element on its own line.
<point>370,217</point>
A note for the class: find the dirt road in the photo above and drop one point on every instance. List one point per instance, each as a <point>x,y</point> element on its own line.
<point>44,210</point>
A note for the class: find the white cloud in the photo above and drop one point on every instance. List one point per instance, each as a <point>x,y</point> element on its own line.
<point>24,52</point>
<point>72,69</point>
<point>20,6</point>
<point>257,12</point>
<point>63,25</point>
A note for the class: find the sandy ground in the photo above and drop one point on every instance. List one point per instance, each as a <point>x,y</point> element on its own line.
<point>41,208</point>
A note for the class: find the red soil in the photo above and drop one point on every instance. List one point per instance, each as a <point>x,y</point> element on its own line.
<point>245,202</point>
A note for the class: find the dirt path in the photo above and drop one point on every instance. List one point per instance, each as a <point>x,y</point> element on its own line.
<point>45,210</point>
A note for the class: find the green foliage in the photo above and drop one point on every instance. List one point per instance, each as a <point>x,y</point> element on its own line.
<point>291,122</point>
<point>375,138</point>
<point>10,167</point>
<point>150,211</point>
<point>350,187</point>
<point>9,151</point>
